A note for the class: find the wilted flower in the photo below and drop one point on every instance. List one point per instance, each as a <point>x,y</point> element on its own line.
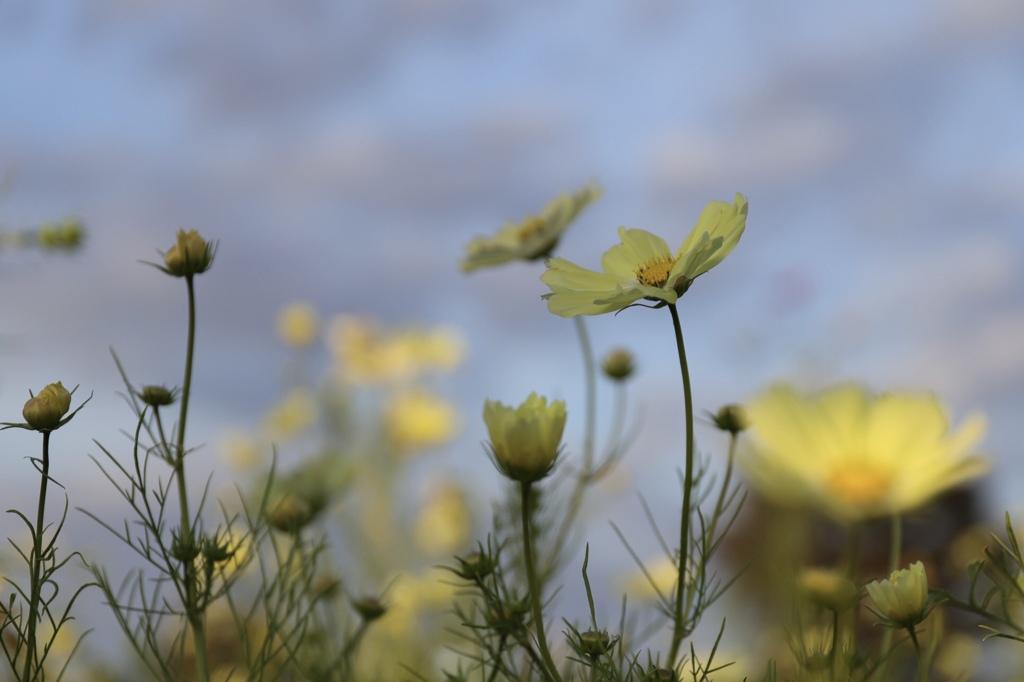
<point>643,267</point>
<point>853,455</point>
<point>903,598</point>
<point>535,237</point>
<point>44,411</point>
<point>189,255</point>
<point>525,440</point>
<point>298,324</point>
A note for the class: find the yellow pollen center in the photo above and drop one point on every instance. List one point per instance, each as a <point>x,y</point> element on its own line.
<point>530,227</point>
<point>655,272</point>
<point>858,482</point>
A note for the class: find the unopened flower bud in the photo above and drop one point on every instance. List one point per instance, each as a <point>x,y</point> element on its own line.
<point>190,255</point>
<point>903,598</point>
<point>731,418</point>
<point>594,644</point>
<point>157,396</point>
<point>44,411</point>
<point>829,589</point>
<point>369,608</point>
<point>525,440</point>
<point>619,364</point>
<point>475,566</point>
<point>65,235</point>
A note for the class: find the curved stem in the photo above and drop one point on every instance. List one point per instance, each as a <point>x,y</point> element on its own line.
<point>193,610</point>
<point>35,579</point>
<point>678,627</point>
<point>531,579</point>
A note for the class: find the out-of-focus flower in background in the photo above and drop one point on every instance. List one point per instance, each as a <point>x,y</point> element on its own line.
<point>416,419</point>
<point>296,412</point>
<point>298,324</point>
<point>534,237</point>
<point>444,523</point>
<point>854,455</point>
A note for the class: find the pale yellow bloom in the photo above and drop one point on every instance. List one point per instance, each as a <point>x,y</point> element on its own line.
<point>658,582</point>
<point>417,419</point>
<point>525,440</point>
<point>903,598</point>
<point>241,451</point>
<point>444,524</point>
<point>854,455</point>
<point>534,237</point>
<point>298,324</point>
<point>643,268</point>
<point>367,354</point>
<point>295,413</point>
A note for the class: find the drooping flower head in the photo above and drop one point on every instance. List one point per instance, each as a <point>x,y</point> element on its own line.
<point>525,440</point>
<point>532,238</point>
<point>643,266</point>
<point>854,455</point>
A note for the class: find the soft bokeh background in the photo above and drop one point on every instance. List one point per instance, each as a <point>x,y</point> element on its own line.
<point>344,153</point>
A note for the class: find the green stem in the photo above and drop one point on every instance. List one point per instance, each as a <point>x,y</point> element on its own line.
<point>30,670</point>
<point>724,492</point>
<point>678,627</point>
<point>922,669</point>
<point>193,610</point>
<point>895,549</point>
<point>588,366</point>
<point>531,579</point>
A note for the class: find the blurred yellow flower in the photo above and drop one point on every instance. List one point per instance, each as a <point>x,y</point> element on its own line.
<point>659,580</point>
<point>296,412</point>
<point>853,455</point>
<point>444,524</point>
<point>367,354</point>
<point>241,451</point>
<point>298,324</point>
<point>532,238</point>
<point>417,419</point>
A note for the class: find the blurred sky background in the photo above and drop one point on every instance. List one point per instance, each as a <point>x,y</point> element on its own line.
<point>344,152</point>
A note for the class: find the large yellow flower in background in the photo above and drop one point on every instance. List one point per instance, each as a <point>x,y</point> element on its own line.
<point>853,455</point>
<point>643,267</point>
<point>534,237</point>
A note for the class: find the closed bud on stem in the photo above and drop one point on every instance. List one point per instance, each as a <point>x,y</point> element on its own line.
<point>369,608</point>
<point>619,364</point>
<point>595,644</point>
<point>44,411</point>
<point>189,255</point>
<point>475,567</point>
<point>731,418</point>
<point>829,589</point>
<point>157,396</point>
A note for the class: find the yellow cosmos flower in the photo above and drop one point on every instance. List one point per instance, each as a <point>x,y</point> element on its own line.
<point>525,440</point>
<point>417,419</point>
<point>535,237</point>
<point>643,267</point>
<point>444,524</point>
<point>903,598</point>
<point>298,324</point>
<point>853,455</point>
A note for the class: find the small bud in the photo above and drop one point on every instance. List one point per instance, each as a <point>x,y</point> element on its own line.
<point>475,567</point>
<point>216,552</point>
<point>619,364</point>
<point>525,440</point>
<point>44,411</point>
<point>157,396</point>
<point>661,674</point>
<point>903,598</point>
<point>65,235</point>
<point>326,586</point>
<point>731,418</point>
<point>184,550</point>
<point>829,589</point>
<point>289,514</point>
<point>190,255</point>
<point>369,608</point>
<point>595,644</point>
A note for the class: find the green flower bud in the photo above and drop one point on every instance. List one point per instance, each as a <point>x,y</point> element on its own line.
<point>731,418</point>
<point>44,411</point>
<point>594,644</point>
<point>369,608</point>
<point>190,255</point>
<point>66,234</point>
<point>525,441</point>
<point>157,396</point>
<point>618,364</point>
<point>475,567</point>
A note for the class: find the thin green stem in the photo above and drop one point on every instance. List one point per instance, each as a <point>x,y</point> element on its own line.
<point>35,585</point>
<point>589,375</point>
<point>193,610</point>
<point>678,626</point>
<point>724,492</point>
<point>895,550</point>
<point>531,579</point>
<point>922,668</point>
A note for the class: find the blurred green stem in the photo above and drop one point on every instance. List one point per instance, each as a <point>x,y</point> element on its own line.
<point>531,579</point>
<point>678,624</point>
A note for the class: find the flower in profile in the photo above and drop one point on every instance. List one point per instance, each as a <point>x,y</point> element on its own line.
<point>903,598</point>
<point>533,238</point>
<point>643,267</point>
<point>854,455</point>
<point>298,324</point>
<point>189,255</point>
<point>44,411</point>
<point>525,440</point>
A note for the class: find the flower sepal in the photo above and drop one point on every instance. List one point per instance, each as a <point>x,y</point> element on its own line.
<point>189,255</point>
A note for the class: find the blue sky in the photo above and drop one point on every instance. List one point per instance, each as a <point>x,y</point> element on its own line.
<point>344,153</point>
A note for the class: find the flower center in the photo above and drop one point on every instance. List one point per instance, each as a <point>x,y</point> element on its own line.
<point>530,227</point>
<point>655,272</point>
<point>858,482</point>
